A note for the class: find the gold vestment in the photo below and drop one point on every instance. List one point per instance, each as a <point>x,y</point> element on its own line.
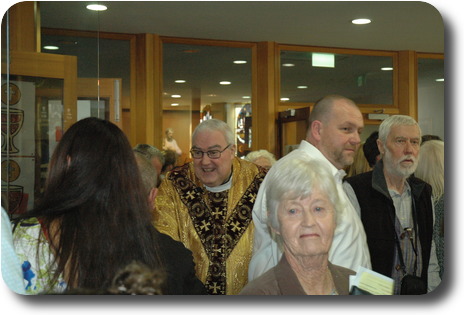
<point>216,227</point>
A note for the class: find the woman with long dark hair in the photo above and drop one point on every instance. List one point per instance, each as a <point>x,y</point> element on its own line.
<point>94,217</point>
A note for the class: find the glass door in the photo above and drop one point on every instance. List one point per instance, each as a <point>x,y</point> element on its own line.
<point>38,104</point>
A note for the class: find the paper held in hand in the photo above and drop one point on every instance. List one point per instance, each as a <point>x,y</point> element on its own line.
<point>371,282</point>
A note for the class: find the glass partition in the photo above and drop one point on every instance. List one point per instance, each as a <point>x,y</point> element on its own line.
<point>104,72</point>
<point>306,76</point>
<point>431,95</point>
<point>206,81</point>
<point>32,125</point>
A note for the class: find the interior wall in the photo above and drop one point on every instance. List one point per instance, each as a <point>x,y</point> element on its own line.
<point>432,110</point>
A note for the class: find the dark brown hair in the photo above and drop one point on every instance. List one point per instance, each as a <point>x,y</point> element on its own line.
<point>95,198</point>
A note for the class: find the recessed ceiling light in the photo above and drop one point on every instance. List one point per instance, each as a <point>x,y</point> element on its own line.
<point>246,97</point>
<point>440,80</point>
<point>225,83</point>
<point>386,68</point>
<point>284,99</point>
<point>49,47</point>
<point>176,96</point>
<point>175,104</point>
<point>288,65</point>
<point>361,21</point>
<point>240,62</point>
<point>96,7</point>
<point>180,81</point>
<point>302,87</point>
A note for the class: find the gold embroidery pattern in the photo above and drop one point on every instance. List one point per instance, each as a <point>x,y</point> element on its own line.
<point>219,234</point>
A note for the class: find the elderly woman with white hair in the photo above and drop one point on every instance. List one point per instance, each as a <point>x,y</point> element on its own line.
<point>302,215</point>
<point>262,158</point>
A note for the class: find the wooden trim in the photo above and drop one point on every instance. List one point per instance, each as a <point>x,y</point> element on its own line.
<point>264,113</point>
<point>430,56</point>
<point>133,89</point>
<point>138,109</point>
<point>90,34</point>
<point>206,42</point>
<point>50,66</point>
<point>146,113</point>
<point>407,82</point>
<point>24,27</point>
<point>157,110</point>
<point>348,51</point>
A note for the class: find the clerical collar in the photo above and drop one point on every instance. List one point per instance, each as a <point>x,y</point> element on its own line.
<point>222,187</point>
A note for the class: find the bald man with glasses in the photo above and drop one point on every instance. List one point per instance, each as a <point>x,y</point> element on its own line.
<point>207,203</point>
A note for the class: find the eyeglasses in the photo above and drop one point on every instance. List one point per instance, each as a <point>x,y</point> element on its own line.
<point>212,154</point>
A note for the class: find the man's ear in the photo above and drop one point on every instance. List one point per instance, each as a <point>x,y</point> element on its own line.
<point>316,129</point>
<point>233,148</point>
<point>152,195</point>
<point>380,147</point>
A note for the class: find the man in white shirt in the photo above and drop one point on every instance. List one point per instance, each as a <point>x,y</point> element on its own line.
<point>333,136</point>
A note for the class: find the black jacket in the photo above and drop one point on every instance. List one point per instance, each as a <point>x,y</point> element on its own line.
<point>180,268</point>
<point>376,208</point>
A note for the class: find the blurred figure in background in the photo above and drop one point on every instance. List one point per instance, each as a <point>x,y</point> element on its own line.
<point>426,138</point>
<point>360,164</point>
<point>169,143</point>
<point>153,154</point>
<point>170,161</point>
<point>371,150</point>
<point>431,169</point>
<point>262,158</point>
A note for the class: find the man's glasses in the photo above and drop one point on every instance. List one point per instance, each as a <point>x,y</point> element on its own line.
<point>212,154</point>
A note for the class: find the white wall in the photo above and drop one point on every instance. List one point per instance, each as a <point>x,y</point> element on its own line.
<point>432,109</point>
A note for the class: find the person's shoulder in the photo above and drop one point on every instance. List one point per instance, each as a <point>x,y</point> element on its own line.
<point>341,270</point>
<point>262,285</point>
<point>27,225</point>
<point>172,248</point>
<point>246,167</point>
<point>359,178</point>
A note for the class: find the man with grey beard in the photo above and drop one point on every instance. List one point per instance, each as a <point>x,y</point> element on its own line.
<point>396,208</point>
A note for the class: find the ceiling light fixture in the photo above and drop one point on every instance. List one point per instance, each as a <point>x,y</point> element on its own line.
<point>176,96</point>
<point>225,83</point>
<point>96,7</point>
<point>240,62</point>
<point>386,68</point>
<point>440,80</point>
<point>288,65</point>
<point>283,99</point>
<point>302,87</point>
<point>180,81</point>
<point>175,104</point>
<point>361,21</point>
<point>49,47</point>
